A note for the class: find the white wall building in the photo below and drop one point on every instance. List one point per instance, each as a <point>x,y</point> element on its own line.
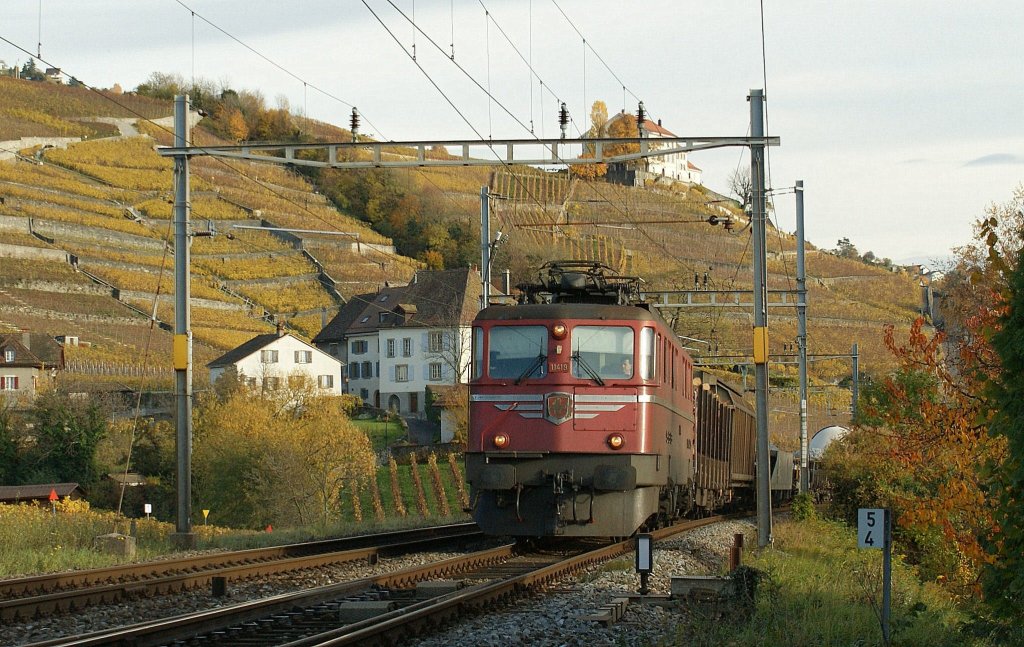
<point>278,361</point>
<point>397,342</point>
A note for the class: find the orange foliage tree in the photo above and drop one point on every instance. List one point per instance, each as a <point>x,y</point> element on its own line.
<point>921,447</point>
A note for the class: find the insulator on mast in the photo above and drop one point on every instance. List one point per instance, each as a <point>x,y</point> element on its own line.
<point>641,117</point>
<point>353,123</point>
<point>563,119</point>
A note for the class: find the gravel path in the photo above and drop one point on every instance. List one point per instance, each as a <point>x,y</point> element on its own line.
<point>553,619</point>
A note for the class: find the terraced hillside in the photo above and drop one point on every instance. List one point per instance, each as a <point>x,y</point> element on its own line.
<point>86,251</point>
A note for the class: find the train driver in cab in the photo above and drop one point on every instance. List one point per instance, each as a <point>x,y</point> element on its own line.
<point>627,367</point>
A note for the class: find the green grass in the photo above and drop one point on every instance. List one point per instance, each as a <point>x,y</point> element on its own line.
<point>819,589</point>
<point>381,433</point>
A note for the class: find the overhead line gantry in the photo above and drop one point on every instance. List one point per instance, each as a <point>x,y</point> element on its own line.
<point>493,152</point>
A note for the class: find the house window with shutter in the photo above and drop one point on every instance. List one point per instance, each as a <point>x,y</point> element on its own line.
<point>436,341</point>
<point>303,356</point>
<point>407,347</point>
<point>325,381</point>
<point>402,373</point>
<point>268,356</point>
<point>9,383</point>
<point>391,348</point>
<point>435,371</point>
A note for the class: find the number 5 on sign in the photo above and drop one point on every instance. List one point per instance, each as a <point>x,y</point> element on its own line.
<point>870,528</point>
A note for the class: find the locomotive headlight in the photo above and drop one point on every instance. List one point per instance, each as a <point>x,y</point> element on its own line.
<point>501,441</point>
<point>558,331</point>
<point>615,441</point>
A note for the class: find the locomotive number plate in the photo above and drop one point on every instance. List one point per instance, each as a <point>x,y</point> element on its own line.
<point>558,367</point>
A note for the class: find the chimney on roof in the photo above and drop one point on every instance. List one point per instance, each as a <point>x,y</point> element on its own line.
<point>659,122</point>
<point>26,339</point>
<point>280,329</point>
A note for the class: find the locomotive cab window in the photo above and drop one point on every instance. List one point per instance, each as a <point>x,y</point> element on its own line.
<point>517,352</point>
<point>647,353</point>
<point>604,351</point>
<point>478,352</point>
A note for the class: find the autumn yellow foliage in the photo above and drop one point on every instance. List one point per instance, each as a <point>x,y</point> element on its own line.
<point>279,457</point>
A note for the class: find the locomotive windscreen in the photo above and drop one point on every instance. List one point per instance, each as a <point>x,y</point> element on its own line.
<point>605,350</point>
<point>514,350</point>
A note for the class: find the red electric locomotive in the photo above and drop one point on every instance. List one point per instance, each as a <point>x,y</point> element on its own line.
<point>581,410</point>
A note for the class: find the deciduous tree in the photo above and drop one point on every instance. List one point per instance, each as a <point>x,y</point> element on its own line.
<point>918,449</point>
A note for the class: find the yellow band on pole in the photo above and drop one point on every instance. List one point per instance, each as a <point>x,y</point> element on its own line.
<point>180,352</point>
<point>761,345</point>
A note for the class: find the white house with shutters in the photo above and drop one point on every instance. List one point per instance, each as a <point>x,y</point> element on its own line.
<point>27,361</point>
<point>278,361</point>
<point>397,342</point>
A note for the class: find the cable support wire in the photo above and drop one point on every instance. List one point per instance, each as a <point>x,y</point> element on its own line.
<point>305,83</point>
<point>272,62</point>
<point>519,182</point>
<point>587,44</point>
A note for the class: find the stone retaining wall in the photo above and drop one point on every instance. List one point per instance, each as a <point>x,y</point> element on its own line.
<point>8,149</point>
<point>34,253</point>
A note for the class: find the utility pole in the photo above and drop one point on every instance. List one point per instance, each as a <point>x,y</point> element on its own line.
<point>183,536</point>
<point>801,335</point>
<point>757,221</point>
<point>856,382</point>
<point>485,248</point>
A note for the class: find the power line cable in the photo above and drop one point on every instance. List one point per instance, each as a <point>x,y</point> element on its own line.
<point>516,119</point>
<point>587,44</point>
<point>274,63</point>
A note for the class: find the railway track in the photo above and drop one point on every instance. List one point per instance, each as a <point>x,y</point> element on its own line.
<point>31,597</point>
<point>378,610</point>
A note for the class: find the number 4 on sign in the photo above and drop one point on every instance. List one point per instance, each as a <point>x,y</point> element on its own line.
<point>870,528</point>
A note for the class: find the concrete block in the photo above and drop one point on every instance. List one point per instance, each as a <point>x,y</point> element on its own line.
<point>356,611</point>
<point>115,544</point>
<point>426,590</point>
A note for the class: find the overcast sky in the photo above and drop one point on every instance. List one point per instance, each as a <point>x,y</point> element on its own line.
<point>903,118</point>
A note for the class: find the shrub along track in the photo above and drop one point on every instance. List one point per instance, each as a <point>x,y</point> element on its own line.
<point>32,597</point>
<point>380,610</point>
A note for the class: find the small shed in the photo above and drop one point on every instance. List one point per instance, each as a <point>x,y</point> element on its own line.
<point>39,493</point>
<point>127,479</point>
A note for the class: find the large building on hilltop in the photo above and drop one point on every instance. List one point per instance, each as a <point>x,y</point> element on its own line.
<point>675,166</point>
<point>398,341</point>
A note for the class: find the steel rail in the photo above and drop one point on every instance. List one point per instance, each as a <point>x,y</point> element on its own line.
<point>182,574</point>
<point>386,629</point>
<point>391,628</point>
<point>167,630</point>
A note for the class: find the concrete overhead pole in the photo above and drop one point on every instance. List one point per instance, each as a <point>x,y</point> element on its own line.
<point>485,247</point>
<point>801,323</point>
<point>855,395</point>
<point>183,535</point>
<point>757,221</point>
